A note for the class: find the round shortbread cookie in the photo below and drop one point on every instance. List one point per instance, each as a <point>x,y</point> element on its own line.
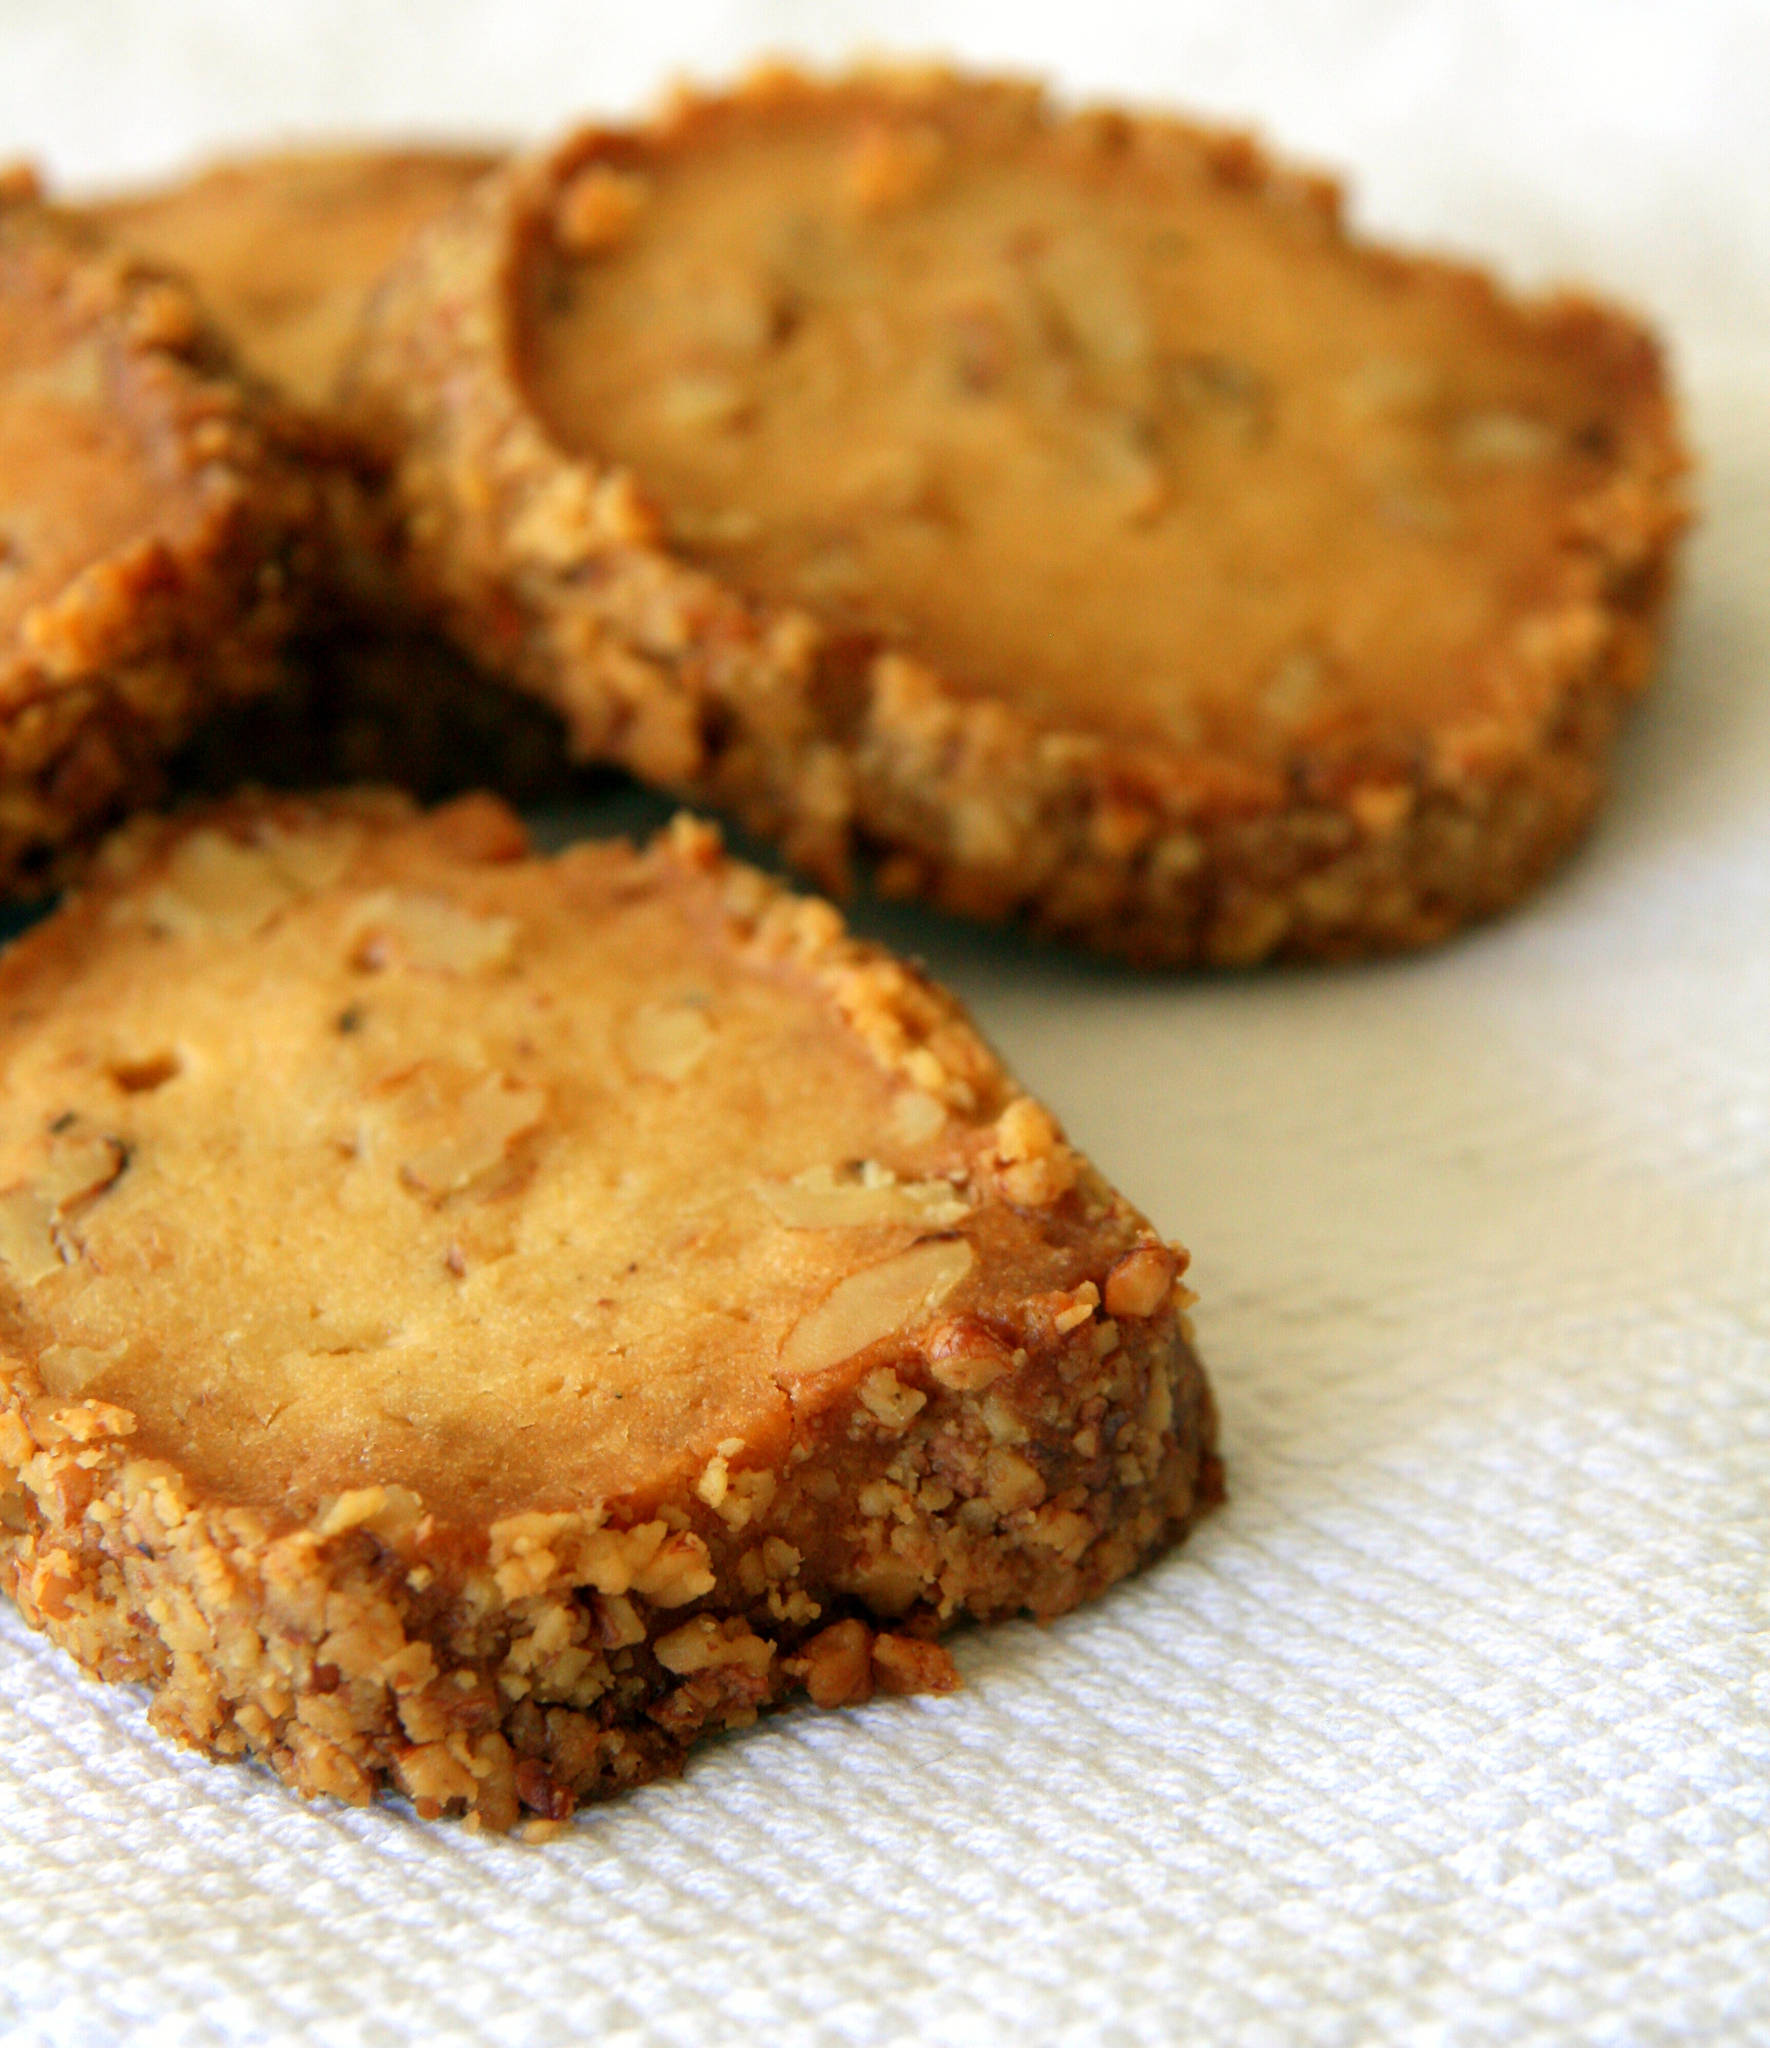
<point>1061,511</point>
<point>472,1323</point>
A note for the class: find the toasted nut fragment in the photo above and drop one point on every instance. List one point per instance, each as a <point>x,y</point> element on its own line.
<point>893,165</point>
<point>1078,1308</point>
<point>916,1118</point>
<point>562,519</point>
<point>79,1167</point>
<point>1012,1481</point>
<point>1037,1166</point>
<point>432,1776</point>
<point>707,1644</point>
<point>391,1512</point>
<point>715,1480</point>
<point>311,861</point>
<point>598,209</point>
<point>699,404</point>
<point>1503,439</point>
<point>1294,689</point>
<point>819,1200</point>
<point>680,1572</point>
<point>1004,1421</point>
<point>614,1559</point>
<point>838,1665</point>
<point>746,1496</point>
<point>69,1369</point>
<point>216,887</point>
<point>966,1356</point>
<point>668,1040</point>
<point>873,1303</point>
<point>1025,1130</point>
<point>1139,1282</point>
<point>885,1397</point>
<point>905,1664</point>
<point>538,1792</point>
<point>481,1126</point>
<point>429,933</point>
<point>143,1075</point>
<point>618,1625</point>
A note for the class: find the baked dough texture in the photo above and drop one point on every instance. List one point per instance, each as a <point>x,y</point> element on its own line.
<point>159,532</point>
<point>1063,512</point>
<point>472,1324</point>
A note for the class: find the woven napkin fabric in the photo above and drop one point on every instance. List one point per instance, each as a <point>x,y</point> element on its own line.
<point>1453,1725</point>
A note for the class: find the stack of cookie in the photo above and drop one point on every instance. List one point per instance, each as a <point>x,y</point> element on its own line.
<point>476,1322</point>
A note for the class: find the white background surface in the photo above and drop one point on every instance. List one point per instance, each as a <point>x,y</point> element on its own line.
<point>1454,1726</point>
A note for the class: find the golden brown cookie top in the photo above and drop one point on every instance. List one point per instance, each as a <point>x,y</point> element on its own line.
<point>347,1147</point>
<point>284,248</point>
<point>1101,416</point>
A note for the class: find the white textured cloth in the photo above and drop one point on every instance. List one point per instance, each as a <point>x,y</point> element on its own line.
<point>1453,1726</point>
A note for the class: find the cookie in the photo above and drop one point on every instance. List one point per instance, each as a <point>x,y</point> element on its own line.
<point>284,248</point>
<point>1064,512</point>
<point>472,1324</point>
<point>158,532</point>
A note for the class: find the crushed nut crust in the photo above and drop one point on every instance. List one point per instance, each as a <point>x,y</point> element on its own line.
<point>826,1434</point>
<point>1287,826</point>
<point>160,541</point>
